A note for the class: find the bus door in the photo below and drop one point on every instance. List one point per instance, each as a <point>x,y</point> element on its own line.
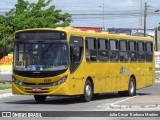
<point>76,64</point>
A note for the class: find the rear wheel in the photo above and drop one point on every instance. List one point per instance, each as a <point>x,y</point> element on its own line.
<point>132,87</point>
<point>40,98</point>
<point>88,91</point>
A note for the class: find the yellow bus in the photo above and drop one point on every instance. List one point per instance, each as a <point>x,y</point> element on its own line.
<point>71,62</point>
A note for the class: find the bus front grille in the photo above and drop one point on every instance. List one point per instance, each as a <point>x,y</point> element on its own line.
<point>37,85</point>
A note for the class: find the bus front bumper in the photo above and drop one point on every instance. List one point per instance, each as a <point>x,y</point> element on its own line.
<point>61,89</point>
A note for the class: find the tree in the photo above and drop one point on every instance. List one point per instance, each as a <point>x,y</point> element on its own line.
<point>27,15</point>
<point>5,36</point>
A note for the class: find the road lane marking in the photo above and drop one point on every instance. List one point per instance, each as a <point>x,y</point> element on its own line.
<point>113,105</point>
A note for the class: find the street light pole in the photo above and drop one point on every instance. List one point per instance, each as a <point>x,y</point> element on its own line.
<point>145,17</point>
<point>103,14</point>
<point>156,39</point>
<point>156,35</point>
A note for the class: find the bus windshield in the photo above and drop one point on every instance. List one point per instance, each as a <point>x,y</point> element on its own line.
<point>40,56</point>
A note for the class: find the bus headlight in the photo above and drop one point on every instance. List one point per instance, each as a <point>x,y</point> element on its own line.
<point>17,82</point>
<point>62,80</point>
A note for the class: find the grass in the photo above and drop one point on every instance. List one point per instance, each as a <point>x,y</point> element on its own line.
<point>5,85</point>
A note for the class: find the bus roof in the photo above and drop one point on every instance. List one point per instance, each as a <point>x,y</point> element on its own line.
<point>91,33</point>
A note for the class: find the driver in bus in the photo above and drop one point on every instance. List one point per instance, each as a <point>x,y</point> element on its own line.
<point>29,57</point>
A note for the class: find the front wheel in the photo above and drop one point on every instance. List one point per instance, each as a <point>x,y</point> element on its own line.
<point>88,91</point>
<point>40,98</point>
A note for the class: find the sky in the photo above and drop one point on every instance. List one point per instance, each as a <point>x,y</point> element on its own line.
<point>104,13</point>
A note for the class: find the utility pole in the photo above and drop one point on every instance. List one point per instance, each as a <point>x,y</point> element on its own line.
<point>103,14</point>
<point>145,17</point>
<point>141,17</point>
<point>103,22</point>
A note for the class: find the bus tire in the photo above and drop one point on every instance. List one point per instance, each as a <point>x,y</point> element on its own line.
<point>40,98</point>
<point>88,91</point>
<point>132,87</point>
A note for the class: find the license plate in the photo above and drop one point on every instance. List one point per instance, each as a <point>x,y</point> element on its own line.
<point>36,89</point>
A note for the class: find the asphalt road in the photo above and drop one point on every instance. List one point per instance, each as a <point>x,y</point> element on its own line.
<point>27,103</point>
<point>22,103</point>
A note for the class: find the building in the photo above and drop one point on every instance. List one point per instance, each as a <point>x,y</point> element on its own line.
<point>96,29</point>
<point>132,31</point>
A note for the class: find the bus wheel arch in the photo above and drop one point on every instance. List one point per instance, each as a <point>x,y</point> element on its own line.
<point>88,90</point>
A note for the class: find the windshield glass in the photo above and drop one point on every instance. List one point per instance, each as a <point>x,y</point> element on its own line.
<point>40,57</point>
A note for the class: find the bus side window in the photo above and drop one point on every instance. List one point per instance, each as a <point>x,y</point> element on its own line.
<point>123,54</point>
<point>132,51</point>
<point>103,54</point>
<point>149,52</point>
<point>141,51</point>
<point>91,49</point>
<point>114,52</point>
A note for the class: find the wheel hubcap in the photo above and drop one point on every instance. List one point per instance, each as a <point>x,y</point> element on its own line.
<point>132,88</point>
<point>88,90</point>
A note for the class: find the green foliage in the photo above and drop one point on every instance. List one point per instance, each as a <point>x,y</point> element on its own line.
<point>27,15</point>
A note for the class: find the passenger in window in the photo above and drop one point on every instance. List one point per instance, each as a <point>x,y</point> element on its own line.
<point>133,57</point>
<point>114,56</point>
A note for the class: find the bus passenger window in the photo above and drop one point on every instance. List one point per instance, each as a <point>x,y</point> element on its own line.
<point>114,53</point>
<point>141,51</point>
<point>149,52</point>
<point>91,49</point>
<point>132,51</point>
<point>123,54</point>
<point>103,54</point>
